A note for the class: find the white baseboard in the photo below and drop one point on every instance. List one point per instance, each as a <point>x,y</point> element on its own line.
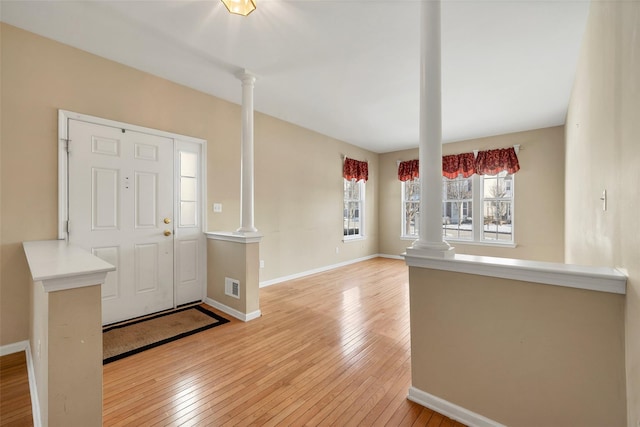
<point>391,256</point>
<point>323,269</point>
<point>13,348</point>
<point>449,409</point>
<point>33,389</point>
<point>232,311</point>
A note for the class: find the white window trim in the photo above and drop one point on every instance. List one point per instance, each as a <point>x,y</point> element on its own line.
<point>513,215</point>
<point>403,215</point>
<point>361,235</point>
<point>478,182</point>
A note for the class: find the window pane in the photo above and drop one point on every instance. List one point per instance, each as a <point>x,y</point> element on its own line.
<point>497,221</point>
<point>188,189</point>
<point>412,190</point>
<point>456,220</point>
<point>353,223</point>
<point>498,186</point>
<point>355,191</point>
<point>497,207</point>
<point>411,220</point>
<point>410,207</point>
<point>458,189</point>
<point>457,208</point>
<point>188,164</point>
<point>188,214</point>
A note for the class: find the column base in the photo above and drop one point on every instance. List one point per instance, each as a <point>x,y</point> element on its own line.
<point>440,250</point>
<point>247,231</point>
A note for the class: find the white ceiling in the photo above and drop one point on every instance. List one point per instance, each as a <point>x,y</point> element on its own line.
<point>348,69</point>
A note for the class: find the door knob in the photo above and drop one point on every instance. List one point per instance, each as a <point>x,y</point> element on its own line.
<point>167,221</point>
<point>167,233</point>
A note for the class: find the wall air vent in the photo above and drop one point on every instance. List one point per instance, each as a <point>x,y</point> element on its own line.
<point>232,287</point>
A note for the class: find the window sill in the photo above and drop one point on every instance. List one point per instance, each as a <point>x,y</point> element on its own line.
<point>353,239</point>
<point>469,242</point>
<point>490,244</point>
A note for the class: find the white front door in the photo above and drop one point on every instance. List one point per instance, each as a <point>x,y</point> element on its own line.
<point>121,208</point>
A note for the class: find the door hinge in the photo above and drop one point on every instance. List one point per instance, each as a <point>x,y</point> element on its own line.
<point>67,144</point>
<point>67,227</point>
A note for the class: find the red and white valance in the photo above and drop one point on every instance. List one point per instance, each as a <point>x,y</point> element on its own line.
<point>487,162</point>
<point>355,169</point>
<point>408,170</point>
<point>458,164</point>
<point>492,162</point>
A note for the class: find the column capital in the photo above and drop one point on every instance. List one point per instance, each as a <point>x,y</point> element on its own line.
<point>246,76</point>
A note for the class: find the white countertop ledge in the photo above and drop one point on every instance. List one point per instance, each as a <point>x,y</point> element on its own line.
<point>603,279</point>
<point>60,266</point>
<point>234,236</point>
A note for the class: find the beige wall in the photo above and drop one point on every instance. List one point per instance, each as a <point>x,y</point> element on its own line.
<point>539,198</point>
<point>519,353</point>
<point>603,153</point>
<point>298,184</point>
<point>298,208</point>
<point>238,261</point>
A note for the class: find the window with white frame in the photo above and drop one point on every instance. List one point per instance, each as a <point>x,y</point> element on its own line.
<point>457,208</point>
<point>492,193</point>
<point>353,208</point>
<point>497,207</point>
<point>410,208</point>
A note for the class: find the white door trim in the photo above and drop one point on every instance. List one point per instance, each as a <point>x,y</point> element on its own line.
<point>63,177</point>
<point>63,167</point>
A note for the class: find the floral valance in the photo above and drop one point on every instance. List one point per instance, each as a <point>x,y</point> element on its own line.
<point>492,162</point>
<point>408,170</point>
<point>458,164</point>
<point>488,162</point>
<point>355,169</point>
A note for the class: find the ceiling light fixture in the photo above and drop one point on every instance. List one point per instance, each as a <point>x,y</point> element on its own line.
<point>240,7</point>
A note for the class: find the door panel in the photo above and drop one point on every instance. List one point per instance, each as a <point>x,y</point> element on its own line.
<point>187,261</point>
<point>146,195</point>
<point>146,257</point>
<point>111,286</point>
<point>120,191</point>
<point>105,209</point>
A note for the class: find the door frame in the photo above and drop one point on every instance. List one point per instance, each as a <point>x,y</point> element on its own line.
<point>63,174</point>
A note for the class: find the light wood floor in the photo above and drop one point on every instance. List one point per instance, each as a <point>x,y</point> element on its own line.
<point>330,349</point>
<point>15,401</point>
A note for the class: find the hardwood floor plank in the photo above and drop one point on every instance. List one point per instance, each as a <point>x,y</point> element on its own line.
<point>15,399</point>
<point>425,418</point>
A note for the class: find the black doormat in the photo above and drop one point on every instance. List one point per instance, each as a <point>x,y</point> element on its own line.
<point>128,338</point>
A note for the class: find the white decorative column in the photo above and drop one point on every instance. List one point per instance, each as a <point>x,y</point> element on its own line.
<point>430,242</point>
<point>235,255</point>
<point>246,180</point>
